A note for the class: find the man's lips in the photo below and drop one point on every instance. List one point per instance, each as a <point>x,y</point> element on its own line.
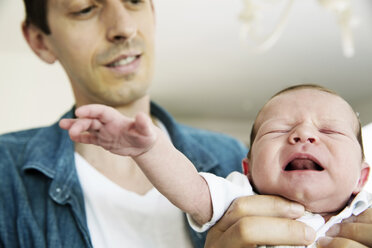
<point>303,162</point>
<point>123,60</point>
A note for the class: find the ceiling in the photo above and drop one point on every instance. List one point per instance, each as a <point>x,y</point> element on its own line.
<point>205,69</point>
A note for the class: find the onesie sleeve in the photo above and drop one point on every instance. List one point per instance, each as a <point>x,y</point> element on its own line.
<point>223,193</point>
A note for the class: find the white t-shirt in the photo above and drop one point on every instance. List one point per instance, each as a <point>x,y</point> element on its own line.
<point>120,218</point>
<point>225,191</point>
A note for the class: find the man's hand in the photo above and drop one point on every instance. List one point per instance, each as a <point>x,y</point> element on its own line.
<point>260,220</point>
<point>355,231</point>
<point>104,126</point>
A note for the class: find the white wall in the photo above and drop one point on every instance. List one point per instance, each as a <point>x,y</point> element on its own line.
<point>32,93</point>
<point>364,108</point>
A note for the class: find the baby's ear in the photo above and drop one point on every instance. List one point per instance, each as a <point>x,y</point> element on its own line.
<point>245,166</point>
<point>364,173</point>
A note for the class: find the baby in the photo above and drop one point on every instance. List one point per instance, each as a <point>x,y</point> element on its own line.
<point>306,146</point>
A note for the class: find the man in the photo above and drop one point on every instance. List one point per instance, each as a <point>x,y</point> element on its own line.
<point>57,194</point>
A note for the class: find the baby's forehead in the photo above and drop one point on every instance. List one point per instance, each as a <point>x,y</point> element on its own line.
<point>330,108</point>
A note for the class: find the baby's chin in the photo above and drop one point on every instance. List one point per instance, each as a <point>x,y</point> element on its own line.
<point>316,203</point>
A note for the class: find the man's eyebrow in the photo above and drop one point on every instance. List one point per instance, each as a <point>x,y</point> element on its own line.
<point>64,3</point>
<point>67,3</point>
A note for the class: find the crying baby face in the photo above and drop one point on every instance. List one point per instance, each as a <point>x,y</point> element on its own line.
<point>306,150</point>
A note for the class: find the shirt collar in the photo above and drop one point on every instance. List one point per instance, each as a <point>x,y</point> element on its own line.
<point>361,202</point>
<point>51,152</point>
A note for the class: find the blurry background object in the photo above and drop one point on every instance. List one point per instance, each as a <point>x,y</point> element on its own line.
<point>252,16</point>
<point>253,13</point>
<point>344,14</point>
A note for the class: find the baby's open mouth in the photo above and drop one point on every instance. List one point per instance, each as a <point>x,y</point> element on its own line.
<point>303,164</point>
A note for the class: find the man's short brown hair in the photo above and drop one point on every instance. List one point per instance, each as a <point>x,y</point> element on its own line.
<point>36,14</point>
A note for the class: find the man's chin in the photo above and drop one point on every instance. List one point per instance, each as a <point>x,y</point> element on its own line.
<point>123,97</point>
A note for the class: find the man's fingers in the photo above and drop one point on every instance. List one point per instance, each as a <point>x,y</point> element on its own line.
<point>327,242</point>
<point>260,205</point>
<point>360,232</point>
<point>260,220</point>
<point>230,238</point>
<point>364,217</point>
<point>274,231</point>
<point>251,231</point>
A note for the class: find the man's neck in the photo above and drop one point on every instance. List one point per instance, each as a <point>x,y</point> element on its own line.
<point>119,169</point>
<point>133,108</point>
<point>129,109</point>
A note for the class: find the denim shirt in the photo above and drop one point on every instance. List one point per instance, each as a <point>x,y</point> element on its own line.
<point>41,200</point>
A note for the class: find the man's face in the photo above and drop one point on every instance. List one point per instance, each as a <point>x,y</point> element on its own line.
<point>105,46</point>
<point>306,150</point>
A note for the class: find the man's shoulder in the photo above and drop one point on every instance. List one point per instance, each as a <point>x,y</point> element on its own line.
<point>185,137</point>
<point>210,151</point>
<point>207,137</point>
<point>13,156</point>
<point>17,137</point>
<point>16,148</point>
<point>15,142</point>
<point>45,135</point>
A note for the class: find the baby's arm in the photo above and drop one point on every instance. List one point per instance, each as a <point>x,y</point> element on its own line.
<point>167,168</point>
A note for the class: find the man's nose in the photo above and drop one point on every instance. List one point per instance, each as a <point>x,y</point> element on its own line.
<point>120,25</point>
<point>303,134</point>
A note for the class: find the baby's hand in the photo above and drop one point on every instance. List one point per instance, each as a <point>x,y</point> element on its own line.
<point>106,127</point>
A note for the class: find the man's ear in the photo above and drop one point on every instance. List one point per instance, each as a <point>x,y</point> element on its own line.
<point>36,39</point>
<point>364,173</point>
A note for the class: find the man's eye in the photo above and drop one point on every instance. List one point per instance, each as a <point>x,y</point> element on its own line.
<point>135,1</point>
<point>84,11</point>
